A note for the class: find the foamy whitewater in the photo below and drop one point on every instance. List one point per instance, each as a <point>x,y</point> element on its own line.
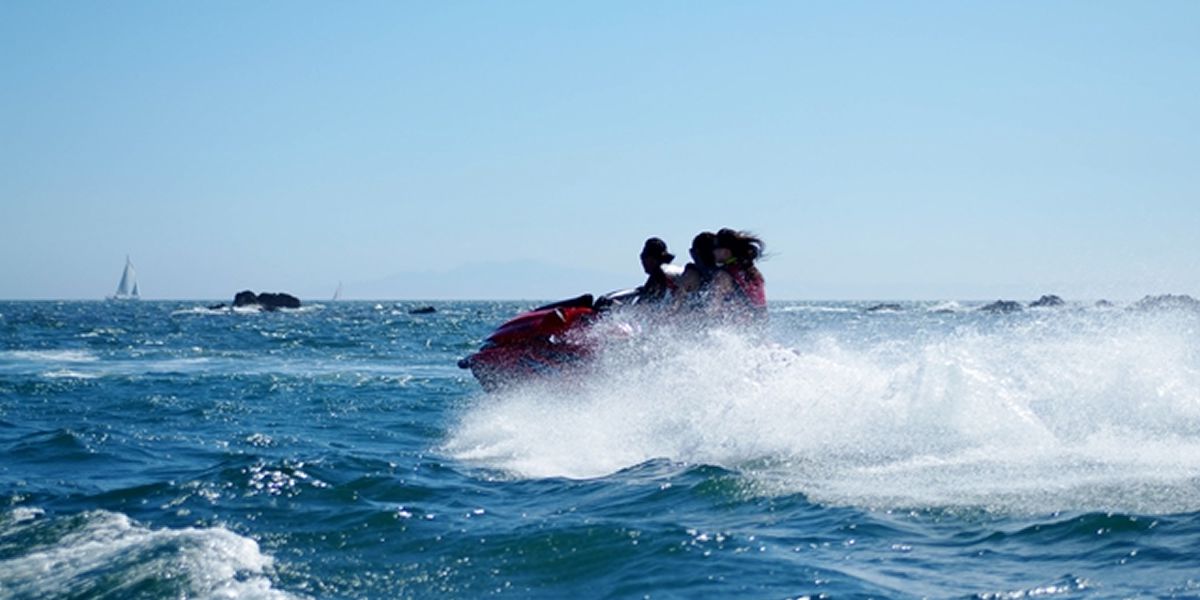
<point>167,450</point>
<point>1072,411</point>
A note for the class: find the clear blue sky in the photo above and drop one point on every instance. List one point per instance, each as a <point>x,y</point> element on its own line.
<point>882,149</point>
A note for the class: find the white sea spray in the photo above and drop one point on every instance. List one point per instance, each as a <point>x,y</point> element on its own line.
<point>1085,411</point>
<point>210,562</point>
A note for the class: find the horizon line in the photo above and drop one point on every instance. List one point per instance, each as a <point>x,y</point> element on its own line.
<point>533,299</point>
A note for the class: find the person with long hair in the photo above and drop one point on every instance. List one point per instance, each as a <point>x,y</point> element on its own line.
<point>739,292</point>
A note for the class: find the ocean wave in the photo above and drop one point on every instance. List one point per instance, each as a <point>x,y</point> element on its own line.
<point>56,356</point>
<point>102,332</point>
<point>946,307</point>
<point>1065,586</point>
<point>1054,414</point>
<point>815,308</point>
<point>200,310</point>
<point>57,557</point>
<point>253,309</point>
<point>68,374</point>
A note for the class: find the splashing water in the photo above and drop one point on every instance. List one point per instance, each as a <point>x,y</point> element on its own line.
<point>189,562</point>
<point>150,451</point>
<point>1070,411</point>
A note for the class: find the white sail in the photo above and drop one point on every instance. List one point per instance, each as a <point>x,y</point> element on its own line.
<point>127,289</point>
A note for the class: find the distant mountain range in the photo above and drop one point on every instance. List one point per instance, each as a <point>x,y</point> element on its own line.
<point>515,280</point>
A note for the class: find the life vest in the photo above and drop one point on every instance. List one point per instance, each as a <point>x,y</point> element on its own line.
<point>749,290</point>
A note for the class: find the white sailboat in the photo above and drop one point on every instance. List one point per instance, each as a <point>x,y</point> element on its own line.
<point>128,288</point>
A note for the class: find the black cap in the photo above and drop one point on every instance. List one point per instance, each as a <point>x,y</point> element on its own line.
<point>656,248</point>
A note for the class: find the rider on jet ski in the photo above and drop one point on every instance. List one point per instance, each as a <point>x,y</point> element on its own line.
<point>661,276</point>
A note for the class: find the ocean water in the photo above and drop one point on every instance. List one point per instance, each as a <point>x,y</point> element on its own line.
<point>163,450</point>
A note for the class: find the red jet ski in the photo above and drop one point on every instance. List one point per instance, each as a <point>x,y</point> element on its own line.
<point>545,342</point>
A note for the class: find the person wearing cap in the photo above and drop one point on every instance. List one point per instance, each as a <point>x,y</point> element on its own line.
<point>660,273</point>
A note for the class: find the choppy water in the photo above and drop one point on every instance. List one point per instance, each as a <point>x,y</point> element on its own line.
<point>152,450</point>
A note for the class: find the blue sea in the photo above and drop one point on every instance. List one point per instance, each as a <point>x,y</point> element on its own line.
<point>166,450</point>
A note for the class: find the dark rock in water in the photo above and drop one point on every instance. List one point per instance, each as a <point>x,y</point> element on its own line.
<point>1047,301</point>
<point>1003,306</point>
<point>266,300</point>
<point>1104,304</point>
<point>424,310</point>
<point>245,298</point>
<point>280,300</point>
<point>1168,302</point>
<point>218,306</point>
<point>885,308</point>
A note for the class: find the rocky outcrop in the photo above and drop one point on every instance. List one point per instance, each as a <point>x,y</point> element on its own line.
<point>1002,306</point>
<point>422,310</point>
<point>266,300</point>
<point>245,298</point>
<point>886,307</point>
<point>1168,302</point>
<point>1047,301</point>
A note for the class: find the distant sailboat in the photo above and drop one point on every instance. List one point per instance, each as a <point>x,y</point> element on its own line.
<point>337,294</point>
<point>128,288</point>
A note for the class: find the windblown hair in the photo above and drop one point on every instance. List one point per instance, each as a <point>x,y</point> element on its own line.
<point>745,246</point>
